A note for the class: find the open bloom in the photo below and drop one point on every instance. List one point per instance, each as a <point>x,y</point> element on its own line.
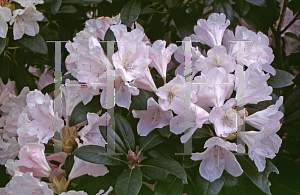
<point>153,117</point>
<point>211,32</point>
<point>25,3</point>
<point>25,21</point>
<point>5,16</point>
<point>216,158</point>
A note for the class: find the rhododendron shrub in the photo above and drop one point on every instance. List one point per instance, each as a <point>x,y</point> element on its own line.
<point>123,113</point>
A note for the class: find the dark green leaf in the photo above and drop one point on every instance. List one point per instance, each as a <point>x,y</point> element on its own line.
<point>201,133</point>
<point>49,88</point>
<point>97,154</point>
<point>139,102</point>
<point>5,66</point>
<point>188,162</point>
<point>296,49</point>
<point>22,77</point>
<point>129,182</point>
<point>159,168</point>
<point>69,9</point>
<point>242,7</point>
<point>83,1</point>
<point>224,6</point>
<point>4,179</point>
<point>149,141</point>
<point>292,35</point>
<point>171,186</point>
<point>208,2</point>
<point>145,190</point>
<point>130,12</point>
<point>165,131</point>
<point>80,111</point>
<point>68,164</point>
<point>294,5</point>
<point>261,3</point>
<point>292,101</point>
<point>260,179</point>
<point>52,6</point>
<point>2,44</point>
<point>35,44</point>
<point>119,145</point>
<point>125,132</point>
<point>92,185</point>
<point>209,188</point>
<point>183,22</point>
<point>281,79</point>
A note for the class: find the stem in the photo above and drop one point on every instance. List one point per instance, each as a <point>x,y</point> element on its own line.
<point>67,185</point>
<point>282,15</point>
<point>290,24</point>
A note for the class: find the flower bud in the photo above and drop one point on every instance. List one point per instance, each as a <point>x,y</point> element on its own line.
<point>68,143</point>
<point>132,158</point>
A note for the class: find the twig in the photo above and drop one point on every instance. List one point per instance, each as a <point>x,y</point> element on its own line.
<point>290,24</point>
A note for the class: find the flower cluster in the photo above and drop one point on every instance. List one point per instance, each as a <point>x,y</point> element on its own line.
<point>24,21</point>
<point>220,89</point>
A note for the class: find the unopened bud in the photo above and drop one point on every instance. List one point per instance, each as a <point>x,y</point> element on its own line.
<point>132,158</point>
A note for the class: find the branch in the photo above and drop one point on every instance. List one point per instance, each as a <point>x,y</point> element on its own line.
<point>290,24</point>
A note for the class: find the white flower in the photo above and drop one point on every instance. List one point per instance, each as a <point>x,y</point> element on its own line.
<point>262,144</point>
<point>153,117</point>
<point>216,57</point>
<point>161,56</point>
<point>172,92</point>
<point>144,80</point>
<point>81,167</point>
<point>225,119</point>
<point>216,158</point>
<point>178,123</point>
<point>25,3</point>
<point>5,16</point>
<point>45,78</point>
<point>101,192</point>
<point>254,88</point>
<point>58,157</point>
<point>72,192</point>
<point>211,32</point>
<point>27,185</point>
<point>262,118</point>
<point>90,134</point>
<point>215,86</point>
<point>25,21</point>
<point>8,150</point>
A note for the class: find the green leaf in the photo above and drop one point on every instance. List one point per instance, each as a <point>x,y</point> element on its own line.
<point>97,154</point>
<point>92,185</point>
<point>80,111</point>
<point>260,179</point>
<point>129,182</point>
<point>119,145</point>
<point>2,44</point>
<point>171,186</point>
<point>208,2</point>
<point>139,102</point>
<point>49,88</point>
<point>4,179</point>
<point>125,132</point>
<point>5,66</point>
<point>52,6</point>
<point>261,3</point>
<point>209,188</point>
<point>242,7</point>
<point>35,44</point>
<point>201,133</point>
<point>281,79</point>
<point>294,5</point>
<point>68,164</point>
<point>130,12</point>
<point>296,49</point>
<point>83,1</point>
<point>183,22</point>
<point>149,141</point>
<point>188,162</point>
<point>224,6</point>
<point>159,168</point>
<point>68,9</point>
<point>145,190</point>
<point>165,131</point>
<point>292,35</point>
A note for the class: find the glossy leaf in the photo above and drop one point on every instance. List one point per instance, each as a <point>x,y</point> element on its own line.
<point>36,44</point>
<point>281,79</point>
<point>183,22</point>
<point>139,102</point>
<point>2,44</point>
<point>296,49</point>
<point>80,111</point>
<point>294,5</point>
<point>119,145</point>
<point>4,179</point>
<point>125,132</point>
<point>52,6</point>
<point>83,1</point>
<point>242,7</point>
<point>49,88</point>
<point>224,6</point>
<point>209,188</point>
<point>5,66</point>
<point>171,186</point>
<point>145,190</point>
<point>201,133</point>
<point>260,179</point>
<point>261,3</point>
<point>292,101</point>
<point>97,154</point>
<point>165,131</point>
<point>129,182</point>
<point>150,141</point>
<point>68,164</point>
<point>208,2</point>
<point>69,9</point>
<point>130,12</point>
<point>159,168</point>
<point>292,35</point>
